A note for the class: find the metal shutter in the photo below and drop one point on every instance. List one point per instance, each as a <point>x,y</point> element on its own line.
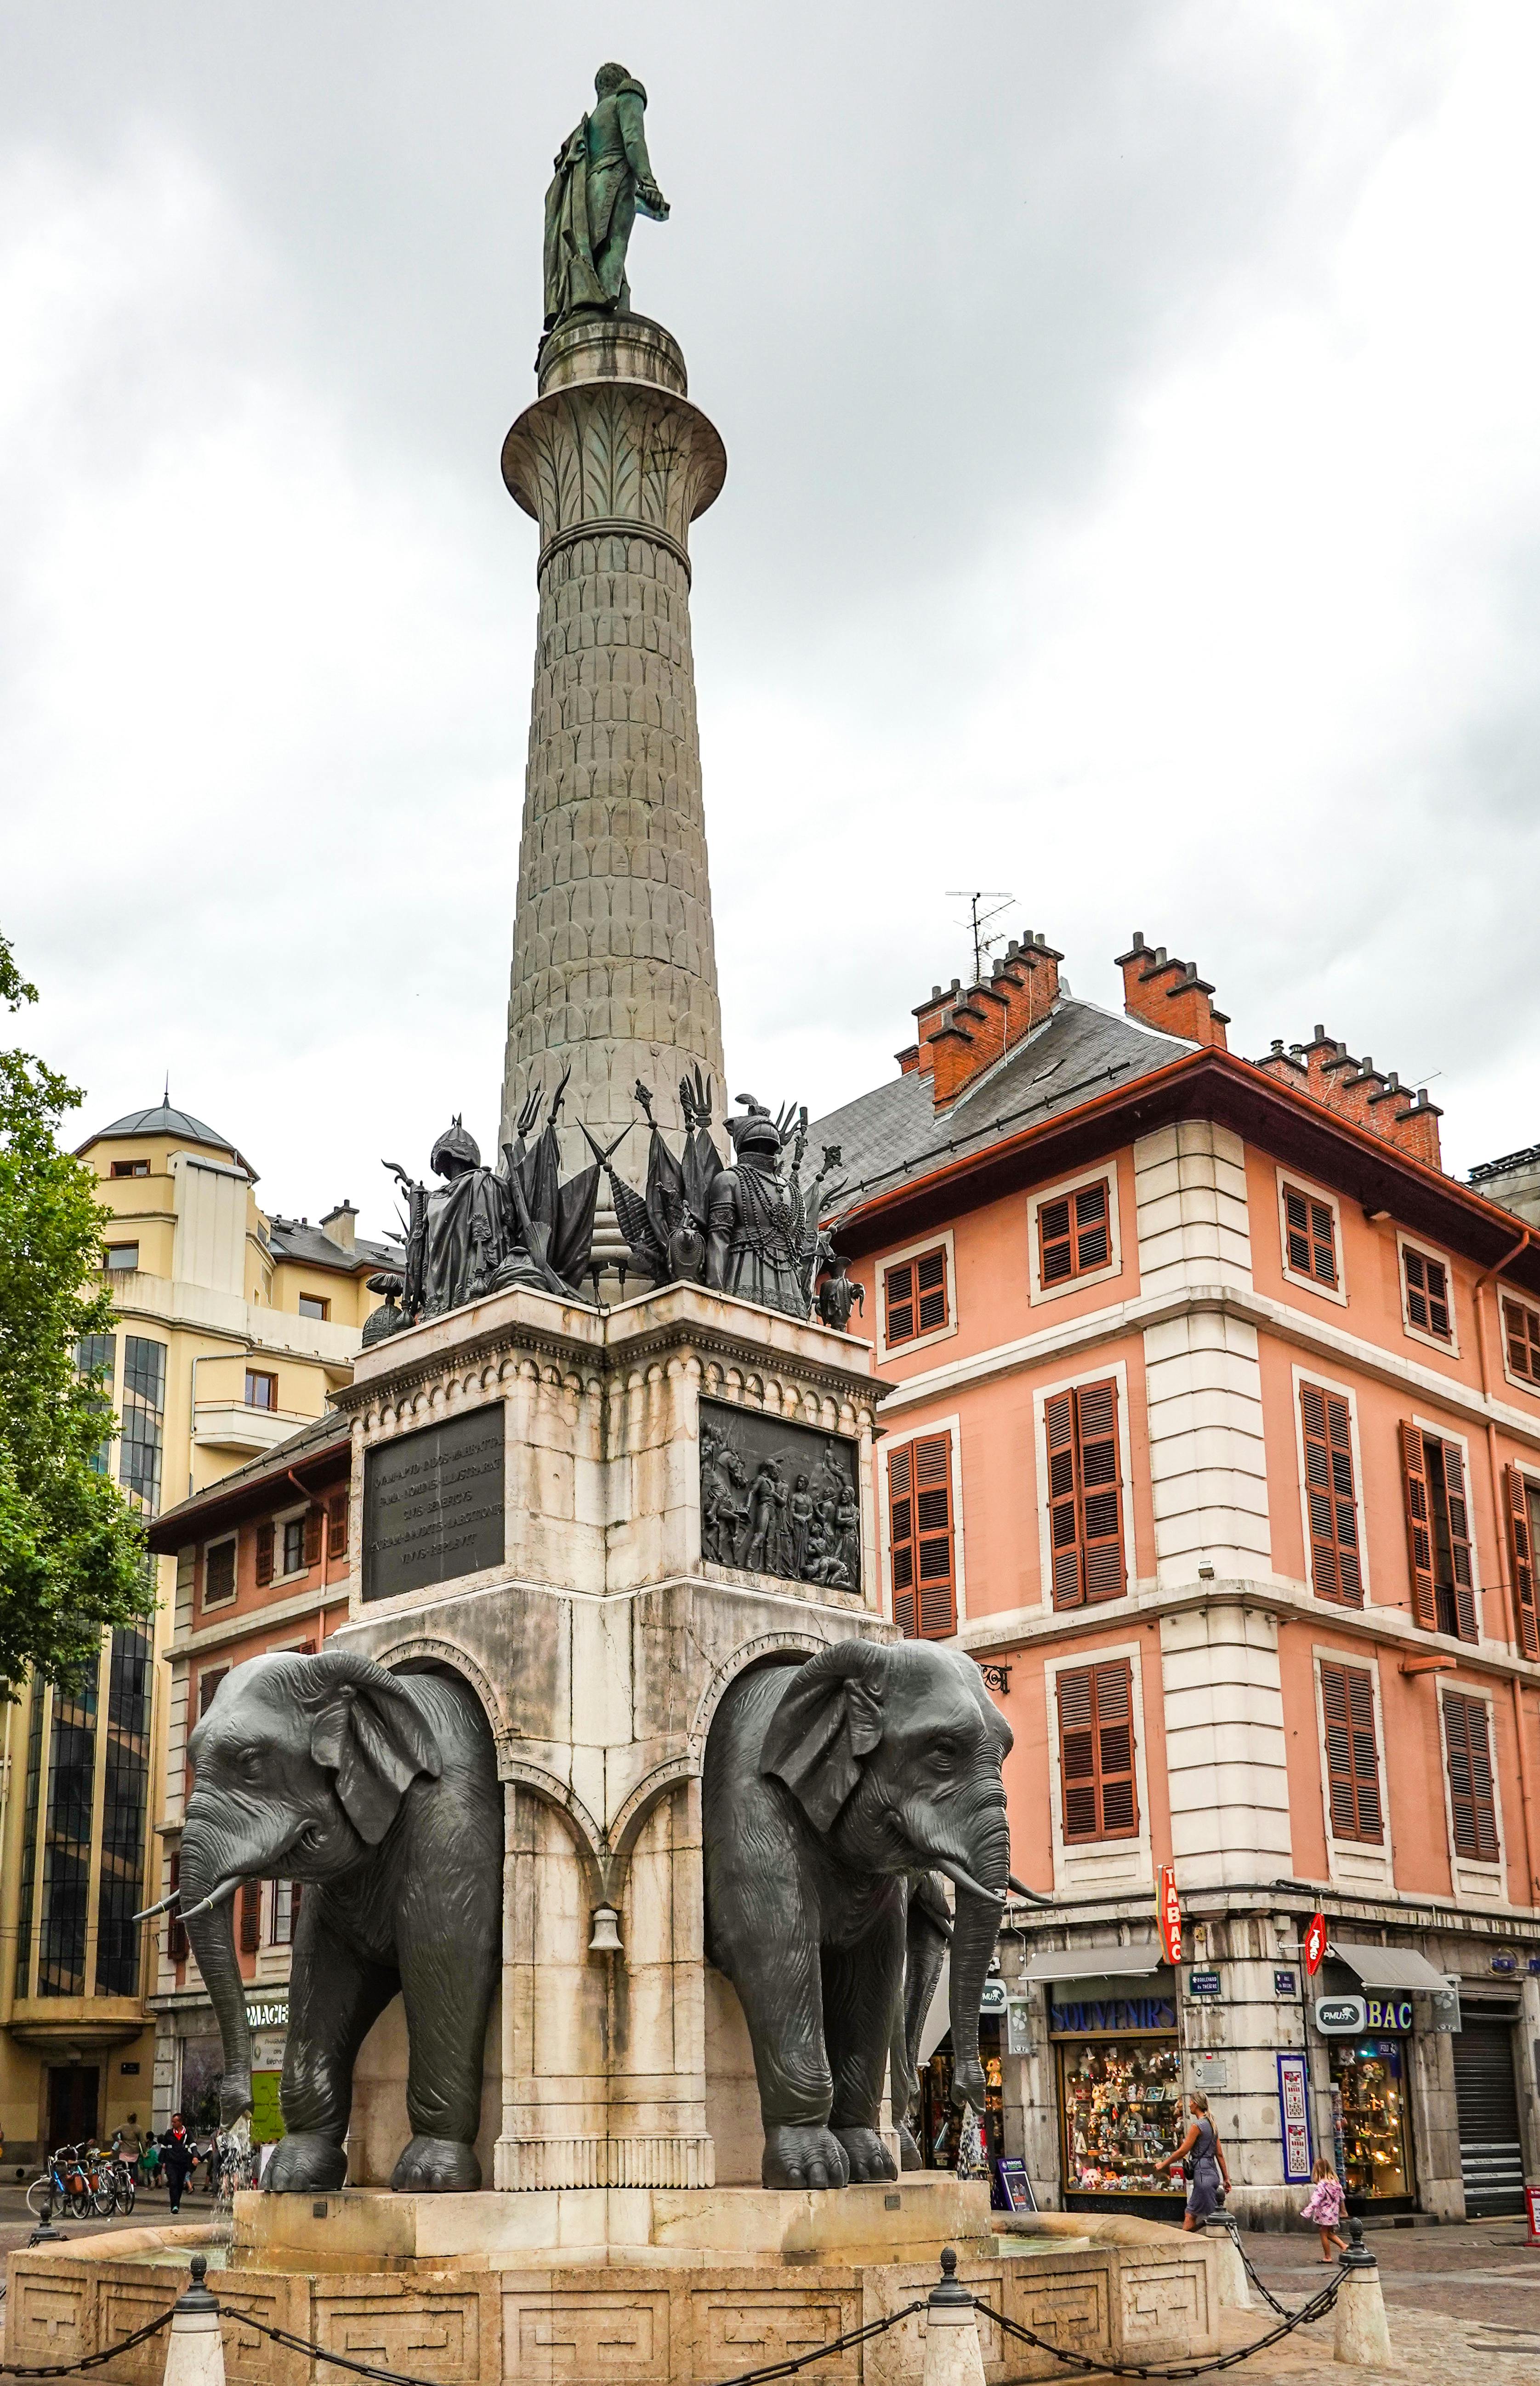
<point>1491,2155</point>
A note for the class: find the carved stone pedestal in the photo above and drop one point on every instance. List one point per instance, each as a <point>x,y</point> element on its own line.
<point>527,1513</point>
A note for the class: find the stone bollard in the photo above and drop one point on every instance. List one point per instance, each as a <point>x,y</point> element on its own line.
<point>1229,2270</point>
<point>1361,2333</point>
<point>195,2351</point>
<point>952,2354</point>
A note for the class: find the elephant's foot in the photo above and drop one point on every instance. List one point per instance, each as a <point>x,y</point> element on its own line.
<point>434,2166</point>
<point>910,2156</point>
<point>803,2154</point>
<point>304,2165</point>
<point>867,2155</point>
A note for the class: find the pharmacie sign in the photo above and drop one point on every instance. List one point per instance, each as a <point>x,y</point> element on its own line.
<point>1349,2016</point>
<point>272,2014</point>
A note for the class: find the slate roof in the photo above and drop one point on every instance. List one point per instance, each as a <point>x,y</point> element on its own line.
<point>164,1120</point>
<point>894,1131</point>
<point>295,1238</point>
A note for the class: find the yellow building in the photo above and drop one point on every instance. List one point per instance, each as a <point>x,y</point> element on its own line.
<point>232,1328</point>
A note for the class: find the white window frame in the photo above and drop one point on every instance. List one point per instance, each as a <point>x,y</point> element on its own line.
<point>1291,1275</point>
<point>292,1574</point>
<point>1353,1864</point>
<point>107,1251</point>
<point>1441,1432</point>
<point>1042,1395</point>
<point>947,1238</point>
<point>1038,1292</point>
<point>1120,1865</point>
<point>1405,1243</point>
<point>952,1427</point>
<point>1525,1301</point>
<point>1346,1392</point>
<point>1468,1878</point>
<point>230,1596</point>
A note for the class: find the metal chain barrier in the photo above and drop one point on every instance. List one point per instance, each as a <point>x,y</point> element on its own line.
<point>1317,2308</point>
<point>89,2360</point>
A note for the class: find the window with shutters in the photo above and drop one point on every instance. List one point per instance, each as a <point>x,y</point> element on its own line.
<point>264,1555</point>
<point>1096,1750</point>
<point>1075,1234</point>
<point>921,1531</point>
<point>249,1937</point>
<point>1522,1499</point>
<point>285,1911</point>
<point>219,1572</point>
<point>1352,1753</point>
<point>209,1682</point>
<point>916,1297</point>
<point>1085,1499</point>
<point>292,1545</point>
<point>1521,1340</point>
<point>336,1528</point>
<point>315,1528</point>
<point>1472,1800</point>
<point>1331,1495</point>
<point>1425,1293</point>
<point>1438,1533</point>
<point>1310,1229</point>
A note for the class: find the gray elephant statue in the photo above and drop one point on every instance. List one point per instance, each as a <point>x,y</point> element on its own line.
<point>379,1793</point>
<point>827,1790</point>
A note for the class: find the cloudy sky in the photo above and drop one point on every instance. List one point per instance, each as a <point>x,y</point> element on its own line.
<point>1133,500</point>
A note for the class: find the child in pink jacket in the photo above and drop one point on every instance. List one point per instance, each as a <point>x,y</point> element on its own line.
<point>1323,2205</point>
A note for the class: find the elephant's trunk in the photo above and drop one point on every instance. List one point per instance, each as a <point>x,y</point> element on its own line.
<point>974,1924</point>
<point>207,1863</point>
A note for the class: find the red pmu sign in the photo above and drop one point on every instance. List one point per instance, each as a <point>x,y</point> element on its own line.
<point>1315,1944</point>
<point>1170,1915</point>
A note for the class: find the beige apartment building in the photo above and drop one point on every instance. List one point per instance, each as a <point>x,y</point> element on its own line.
<point>232,1328</point>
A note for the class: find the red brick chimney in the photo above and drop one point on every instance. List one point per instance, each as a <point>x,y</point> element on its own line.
<point>1170,995</point>
<point>960,1033</point>
<point>1326,1071</point>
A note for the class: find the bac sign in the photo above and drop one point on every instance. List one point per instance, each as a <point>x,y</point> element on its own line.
<point>1315,1944</point>
<point>1170,1916</point>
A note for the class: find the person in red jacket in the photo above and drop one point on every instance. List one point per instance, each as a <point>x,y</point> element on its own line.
<point>177,2156</point>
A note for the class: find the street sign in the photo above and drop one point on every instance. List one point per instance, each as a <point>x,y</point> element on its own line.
<point>1204,1984</point>
<point>1170,1915</point>
<point>1315,1944</point>
<point>1285,1985</point>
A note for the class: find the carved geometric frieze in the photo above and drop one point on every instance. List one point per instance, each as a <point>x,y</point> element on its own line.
<point>746,2327</point>
<point>429,2333</point>
<point>574,2337</point>
<point>1163,2303</point>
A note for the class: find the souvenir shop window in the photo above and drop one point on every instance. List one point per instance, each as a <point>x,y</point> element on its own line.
<point>1121,2104</point>
<point>1370,2118</point>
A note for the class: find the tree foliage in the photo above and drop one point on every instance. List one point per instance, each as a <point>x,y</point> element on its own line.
<point>72,1556</point>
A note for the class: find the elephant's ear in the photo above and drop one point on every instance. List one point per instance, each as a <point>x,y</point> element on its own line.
<point>368,1732</point>
<point>830,1716</point>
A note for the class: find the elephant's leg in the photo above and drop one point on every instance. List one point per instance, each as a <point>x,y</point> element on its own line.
<point>779,1989</point>
<point>862,1989</point>
<point>927,1934</point>
<point>335,1995</point>
<point>446,1986</point>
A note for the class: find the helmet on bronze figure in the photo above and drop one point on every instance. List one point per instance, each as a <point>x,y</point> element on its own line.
<point>457,1147</point>
<point>758,1132</point>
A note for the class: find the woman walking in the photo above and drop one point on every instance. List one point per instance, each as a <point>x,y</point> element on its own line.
<point>177,2157</point>
<point>1201,2146</point>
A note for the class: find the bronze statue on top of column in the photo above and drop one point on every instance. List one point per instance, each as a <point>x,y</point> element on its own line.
<point>604,179</point>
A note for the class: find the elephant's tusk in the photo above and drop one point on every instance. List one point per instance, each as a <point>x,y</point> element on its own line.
<point>220,1896</point>
<point>965,1880</point>
<point>1032,1896</point>
<point>164,1907</point>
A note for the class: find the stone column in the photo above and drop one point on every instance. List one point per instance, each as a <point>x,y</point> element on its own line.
<point>614,962</point>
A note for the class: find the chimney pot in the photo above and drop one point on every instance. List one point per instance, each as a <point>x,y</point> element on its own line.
<point>1137,940</point>
<point>1278,1046</point>
<point>1320,1033</point>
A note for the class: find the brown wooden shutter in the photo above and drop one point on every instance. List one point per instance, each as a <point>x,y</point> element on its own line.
<point>1085,1527</point>
<point>264,1555</point>
<point>1460,1544</point>
<point>921,1527</point>
<point>1420,1536</point>
<point>1329,1496</point>
<point>930,1275</point>
<point>207,1684</point>
<point>1521,1332</point>
<point>251,1916</point>
<point>336,1530</point>
<point>1521,1546</point>
<point>178,1946</point>
<point>1074,1234</point>
<point>1312,1237</point>
<point>1427,1293</point>
<point>1055,1242</point>
<point>315,1525</point>
<point>914,1294</point>
<point>1095,1752</point>
<point>1352,1757</point>
<point>1467,1737</point>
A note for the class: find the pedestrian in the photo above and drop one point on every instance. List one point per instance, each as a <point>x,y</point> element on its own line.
<point>1201,2147</point>
<point>128,2146</point>
<point>149,2161</point>
<point>1323,2205</point>
<point>177,2157</point>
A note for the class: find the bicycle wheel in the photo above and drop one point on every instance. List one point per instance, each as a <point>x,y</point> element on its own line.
<point>79,2198</point>
<point>104,2197</point>
<point>40,2190</point>
<point>126,2191</point>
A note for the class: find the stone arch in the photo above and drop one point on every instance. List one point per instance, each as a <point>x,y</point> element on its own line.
<point>792,1644</point>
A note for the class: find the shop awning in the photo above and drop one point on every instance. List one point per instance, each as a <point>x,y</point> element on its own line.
<point>1388,1968</point>
<point>1098,1963</point>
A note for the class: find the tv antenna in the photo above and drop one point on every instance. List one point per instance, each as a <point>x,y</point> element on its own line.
<point>978,921</point>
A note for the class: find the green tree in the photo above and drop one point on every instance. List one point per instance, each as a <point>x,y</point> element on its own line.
<point>72,1556</point>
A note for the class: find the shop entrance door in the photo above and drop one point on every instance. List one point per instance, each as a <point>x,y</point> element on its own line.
<point>1491,2155</point>
<point>72,2104</point>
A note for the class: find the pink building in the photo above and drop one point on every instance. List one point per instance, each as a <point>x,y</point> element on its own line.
<point>1215,1437</point>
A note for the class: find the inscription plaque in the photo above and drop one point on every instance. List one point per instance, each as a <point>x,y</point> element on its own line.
<point>779,1498</point>
<point>433,1503</point>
